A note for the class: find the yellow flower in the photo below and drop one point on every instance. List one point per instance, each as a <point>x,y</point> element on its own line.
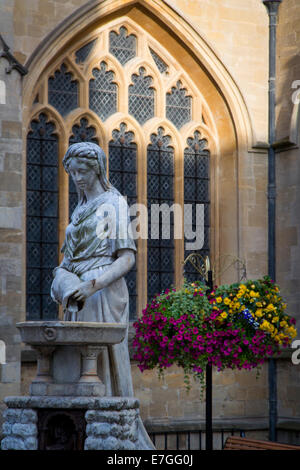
<point>253,294</point>
<point>224,315</point>
<point>275,319</point>
<point>270,307</point>
<point>258,304</point>
<point>259,312</point>
<point>219,299</point>
<point>226,301</point>
<point>283,323</point>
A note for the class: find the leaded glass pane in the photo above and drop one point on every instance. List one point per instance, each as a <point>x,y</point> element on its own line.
<point>123,175</point>
<point>122,46</point>
<point>63,91</point>
<point>81,132</point>
<point>178,106</point>
<point>161,65</point>
<point>141,97</point>
<point>42,218</point>
<point>196,191</point>
<point>83,53</point>
<point>160,184</point>
<point>103,92</point>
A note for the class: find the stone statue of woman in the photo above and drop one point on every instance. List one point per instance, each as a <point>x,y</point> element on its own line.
<point>98,252</point>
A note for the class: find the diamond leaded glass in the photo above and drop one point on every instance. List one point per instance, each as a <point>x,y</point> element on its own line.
<point>160,187</point>
<point>80,133</point>
<point>123,175</point>
<point>103,92</point>
<point>42,218</point>
<point>83,53</point>
<point>63,91</point>
<point>160,64</point>
<point>196,191</point>
<point>141,97</point>
<point>178,106</point>
<point>122,46</point>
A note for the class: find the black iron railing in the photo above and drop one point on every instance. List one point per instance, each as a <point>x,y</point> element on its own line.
<point>191,440</point>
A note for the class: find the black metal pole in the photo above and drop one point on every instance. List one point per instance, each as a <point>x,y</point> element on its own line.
<point>272,6</point>
<point>208,389</point>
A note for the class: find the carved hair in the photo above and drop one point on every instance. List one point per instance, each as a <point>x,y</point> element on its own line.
<point>93,156</point>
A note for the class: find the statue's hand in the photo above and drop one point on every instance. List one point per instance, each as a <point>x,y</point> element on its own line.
<point>86,289</point>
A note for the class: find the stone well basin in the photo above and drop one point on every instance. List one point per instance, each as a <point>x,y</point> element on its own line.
<point>61,333</point>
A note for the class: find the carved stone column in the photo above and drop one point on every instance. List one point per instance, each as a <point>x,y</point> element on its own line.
<point>44,356</point>
<point>89,355</point>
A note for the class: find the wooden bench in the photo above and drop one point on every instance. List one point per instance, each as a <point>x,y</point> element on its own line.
<point>241,443</point>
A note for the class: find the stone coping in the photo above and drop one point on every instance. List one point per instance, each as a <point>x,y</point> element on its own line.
<point>42,333</point>
<point>195,425</point>
<point>89,403</point>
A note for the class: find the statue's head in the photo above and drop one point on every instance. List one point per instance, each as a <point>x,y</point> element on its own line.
<point>92,156</point>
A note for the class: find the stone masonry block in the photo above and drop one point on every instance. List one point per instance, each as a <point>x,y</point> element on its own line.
<point>10,372</point>
<point>29,416</point>
<point>12,129</point>
<point>31,443</point>
<point>24,430</point>
<point>12,443</point>
<point>12,415</point>
<point>98,429</point>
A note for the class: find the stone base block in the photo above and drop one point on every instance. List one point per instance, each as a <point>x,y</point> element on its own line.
<point>92,389</point>
<point>111,423</point>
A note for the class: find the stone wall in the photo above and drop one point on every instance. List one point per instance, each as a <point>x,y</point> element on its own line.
<point>288,63</point>
<point>11,216</point>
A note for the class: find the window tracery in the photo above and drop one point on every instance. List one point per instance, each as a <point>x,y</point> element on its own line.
<point>143,159</point>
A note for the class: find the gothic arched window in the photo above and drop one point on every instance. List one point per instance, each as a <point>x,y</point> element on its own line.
<point>178,106</point>
<point>160,184</point>
<point>123,175</point>
<point>63,91</point>
<point>122,45</point>
<point>42,217</point>
<point>119,88</point>
<point>103,92</point>
<point>141,97</point>
<point>196,191</point>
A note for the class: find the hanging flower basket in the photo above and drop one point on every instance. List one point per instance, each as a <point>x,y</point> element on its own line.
<point>236,326</point>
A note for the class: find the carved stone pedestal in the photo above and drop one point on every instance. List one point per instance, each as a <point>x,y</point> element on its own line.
<point>67,408</point>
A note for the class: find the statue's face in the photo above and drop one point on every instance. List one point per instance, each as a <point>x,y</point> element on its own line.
<point>83,176</point>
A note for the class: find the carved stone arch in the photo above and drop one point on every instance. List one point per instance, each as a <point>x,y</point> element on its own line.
<point>53,116</point>
<point>172,18</point>
<point>93,121</point>
<point>114,121</point>
<point>112,64</point>
<point>188,129</point>
<point>159,23</point>
<point>151,127</point>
